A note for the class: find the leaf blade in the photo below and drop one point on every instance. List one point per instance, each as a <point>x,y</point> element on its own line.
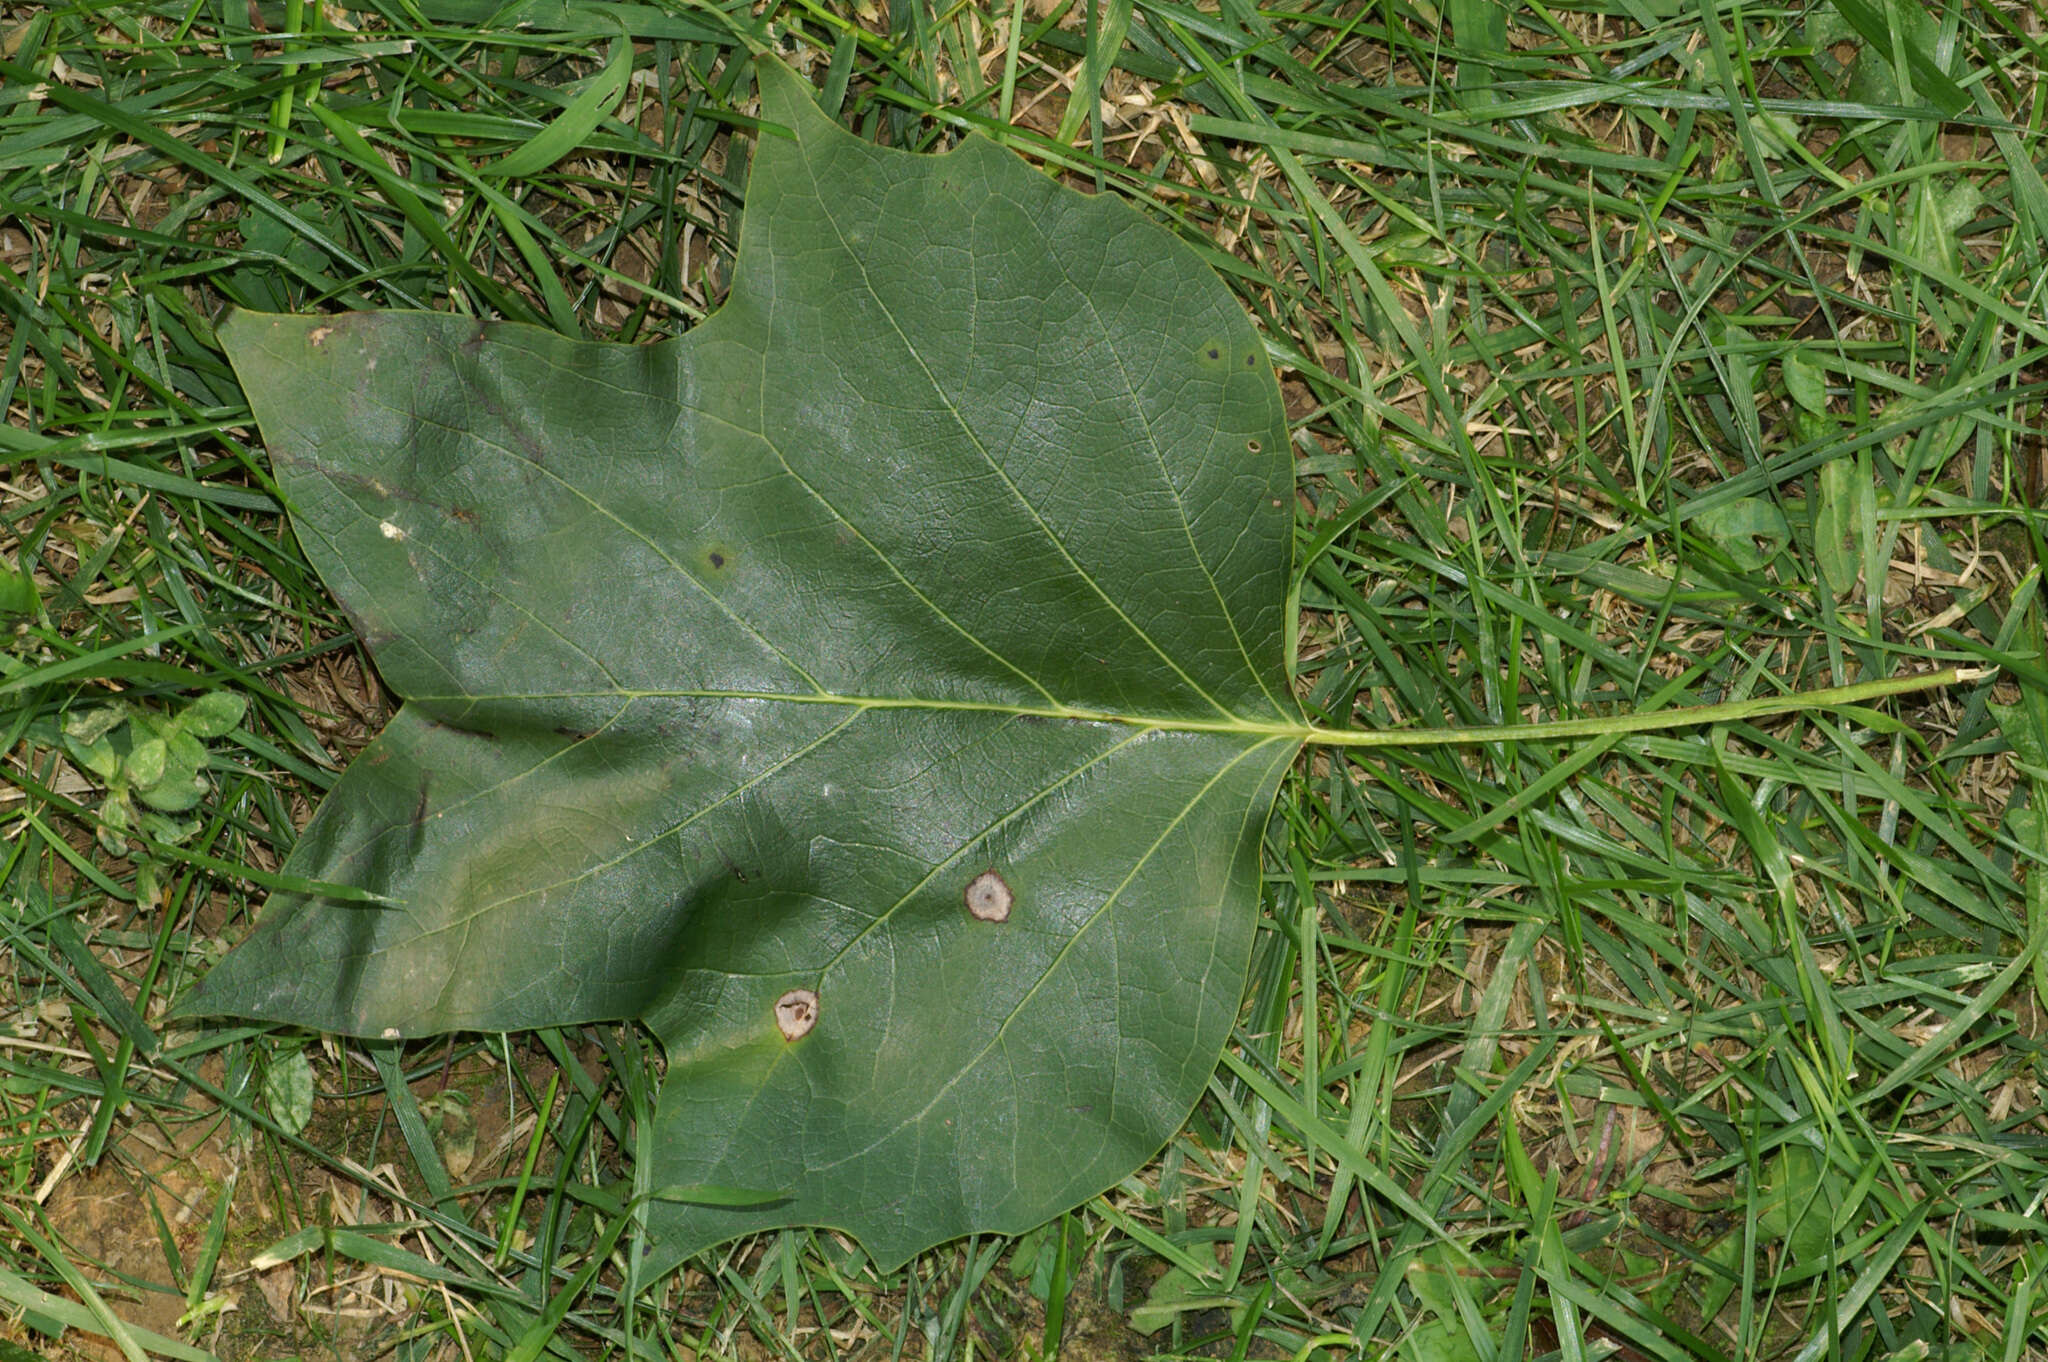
<point>953,546</point>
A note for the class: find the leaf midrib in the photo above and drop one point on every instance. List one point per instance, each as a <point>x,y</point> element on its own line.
<point>1263,730</point>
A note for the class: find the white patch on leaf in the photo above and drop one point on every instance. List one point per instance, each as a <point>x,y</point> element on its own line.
<point>796,1012</point>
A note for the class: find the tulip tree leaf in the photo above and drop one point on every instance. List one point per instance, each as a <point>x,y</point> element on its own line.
<point>879,690</point>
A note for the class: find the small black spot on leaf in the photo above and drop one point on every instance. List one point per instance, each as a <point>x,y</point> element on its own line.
<point>988,897</point>
<point>796,1012</point>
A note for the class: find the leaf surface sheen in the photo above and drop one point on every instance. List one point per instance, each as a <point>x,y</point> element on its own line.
<point>952,546</point>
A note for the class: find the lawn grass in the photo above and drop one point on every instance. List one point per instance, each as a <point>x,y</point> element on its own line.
<point>1637,354</point>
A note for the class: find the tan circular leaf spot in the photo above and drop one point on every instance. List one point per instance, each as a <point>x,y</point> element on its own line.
<point>796,1012</point>
<point>989,898</point>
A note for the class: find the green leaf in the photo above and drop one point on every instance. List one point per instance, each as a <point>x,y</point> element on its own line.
<point>1906,31</point>
<point>1750,531</point>
<point>454,1127</point>
<point>2025,727</point>
<point>95,754</point>
<point>146,761</point>
<point>214,714</point>
<point>175,796</point>
<point>117,816</point>
<point>1935,217</point>
<point>1780,134</point>
<point>91,725</point>
<point>1844,520</point>
<point>288,1090</point>
<point>170,831</point>
<point>187,755</point>
<point>18,594</point>
<point>1175,1293</point>
<point>1804,1202</point>
<point>1806,380</point>
<point>177,784</point>
<point>878,690</point>
<point>1433,1277</point>
<point>1810,427</point>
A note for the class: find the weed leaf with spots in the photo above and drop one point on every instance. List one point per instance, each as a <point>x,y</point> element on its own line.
<point>879,690</point>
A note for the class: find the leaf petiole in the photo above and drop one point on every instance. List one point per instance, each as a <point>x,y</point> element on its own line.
<point>1691,716</point>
